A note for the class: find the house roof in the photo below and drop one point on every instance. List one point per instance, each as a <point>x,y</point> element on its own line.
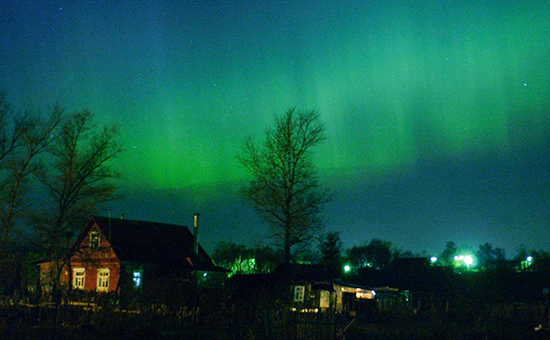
<point>152,242</point>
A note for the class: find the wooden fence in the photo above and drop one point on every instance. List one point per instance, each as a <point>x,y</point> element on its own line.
<point>252,321</point>
<point>276,323</point>
<point>283,324</point>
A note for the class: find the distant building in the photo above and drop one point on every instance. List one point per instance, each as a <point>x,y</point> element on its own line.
<point>308,288</point>
<point>110,254</point>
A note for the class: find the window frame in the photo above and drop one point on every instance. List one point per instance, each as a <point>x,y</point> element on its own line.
<point>79,278</point>
<point>103,281</point>
<point>95,239</point>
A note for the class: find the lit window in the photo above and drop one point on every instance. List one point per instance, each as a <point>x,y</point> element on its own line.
<point>137,276</point>
<point>103,279</point>
<point>94,239</point>
<point>78,278</point>
<point>299,292</point>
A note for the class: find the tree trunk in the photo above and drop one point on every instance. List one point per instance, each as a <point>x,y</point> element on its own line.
<point>287,244</point>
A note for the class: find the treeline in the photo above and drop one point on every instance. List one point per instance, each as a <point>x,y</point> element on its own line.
<point>374,253</point>
<point>55,169</point>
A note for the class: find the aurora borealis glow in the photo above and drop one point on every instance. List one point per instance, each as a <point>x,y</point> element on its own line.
<point>437,112</point>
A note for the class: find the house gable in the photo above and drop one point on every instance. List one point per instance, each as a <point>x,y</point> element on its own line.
<point>93,245</point>
<point>94,264</point>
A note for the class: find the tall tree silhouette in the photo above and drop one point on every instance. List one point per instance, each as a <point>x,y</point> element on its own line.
<point>78,178</point>
<point>284,188</point>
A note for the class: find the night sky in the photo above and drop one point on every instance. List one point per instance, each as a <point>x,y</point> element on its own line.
<point>437,112</point>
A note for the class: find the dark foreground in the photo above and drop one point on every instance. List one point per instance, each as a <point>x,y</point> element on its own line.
<point>505,322</point>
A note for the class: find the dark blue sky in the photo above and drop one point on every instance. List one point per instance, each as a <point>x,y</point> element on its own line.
<point>437,112</point>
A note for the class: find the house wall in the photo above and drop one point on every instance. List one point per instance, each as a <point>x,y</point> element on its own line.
<point>91,259</point>
<point>91,274</point>
<point>313,298</point>
<point>95,259</point>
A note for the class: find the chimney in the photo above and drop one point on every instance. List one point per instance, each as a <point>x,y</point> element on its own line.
<point>196,234</point>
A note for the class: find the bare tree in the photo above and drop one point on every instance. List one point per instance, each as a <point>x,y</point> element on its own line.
<point>10,129</point>
<point>35,137</point>
<point>11,132</point>
<point>284,188</point>
<point>78,178</point>
<point>23,137</point>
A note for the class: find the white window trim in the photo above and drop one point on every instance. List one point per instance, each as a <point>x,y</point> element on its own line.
<point>77,279</point>
<point>103,281</point>
<point>94,244</point>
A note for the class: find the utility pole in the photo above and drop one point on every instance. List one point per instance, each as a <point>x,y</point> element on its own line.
<point>196,233</point>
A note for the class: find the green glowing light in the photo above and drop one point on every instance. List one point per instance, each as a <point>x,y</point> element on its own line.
<point>397,82</point>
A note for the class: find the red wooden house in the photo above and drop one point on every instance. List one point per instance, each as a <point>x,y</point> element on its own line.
<point>110,253</point>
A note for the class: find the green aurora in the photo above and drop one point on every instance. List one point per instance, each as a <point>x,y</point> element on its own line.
<point>400,85</point>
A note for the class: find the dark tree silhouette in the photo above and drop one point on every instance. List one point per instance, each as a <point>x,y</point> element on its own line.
<point>488,257</point>
<point>240,259</point>
<point>23,137</point>
<point>331,252</point>
<point>446,257</point>
<point>379,253</point>
<point>77,178</point>
<point>522,253</point>
<point>284,188</point>
<point>357,256</point>
<point>234,257</point>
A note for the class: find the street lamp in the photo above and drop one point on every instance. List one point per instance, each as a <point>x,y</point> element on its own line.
<point>468,260</point>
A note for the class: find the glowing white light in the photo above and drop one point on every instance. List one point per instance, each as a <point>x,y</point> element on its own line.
<point>468,260</point>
